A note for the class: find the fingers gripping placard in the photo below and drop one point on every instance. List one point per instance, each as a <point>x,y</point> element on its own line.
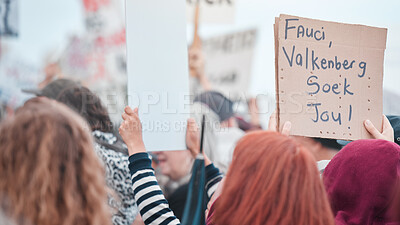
<point>328,76</point>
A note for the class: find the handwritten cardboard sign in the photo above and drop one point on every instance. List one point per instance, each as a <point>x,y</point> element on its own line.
<point>212,11</point>
<point>157,62</point>
<point>229,60</point>
<point>328,76</point>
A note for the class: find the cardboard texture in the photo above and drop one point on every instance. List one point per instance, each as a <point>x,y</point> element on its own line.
<point>228,62</point>
<point>157,63</point>
<point>328,77</point>
<point>212,11</point>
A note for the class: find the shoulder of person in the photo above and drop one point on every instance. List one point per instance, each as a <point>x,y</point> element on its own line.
<point>108,143</point>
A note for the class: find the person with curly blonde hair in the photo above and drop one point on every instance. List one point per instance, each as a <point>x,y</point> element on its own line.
<point>49,173</point>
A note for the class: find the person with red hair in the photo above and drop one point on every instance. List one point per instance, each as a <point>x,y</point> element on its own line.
<point>272,180</point>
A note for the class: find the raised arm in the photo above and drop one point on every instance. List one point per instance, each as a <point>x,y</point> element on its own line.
<point>152,204</point>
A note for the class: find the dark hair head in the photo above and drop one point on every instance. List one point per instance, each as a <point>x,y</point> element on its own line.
<point>80,99</point>
<point>218,103</point>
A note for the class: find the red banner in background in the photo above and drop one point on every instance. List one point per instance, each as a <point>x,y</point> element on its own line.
<point>94,5</point>
<point>98,58</point>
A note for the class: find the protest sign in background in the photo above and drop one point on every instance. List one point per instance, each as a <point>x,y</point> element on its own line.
<point>329,77</point>
<point>228,62</point>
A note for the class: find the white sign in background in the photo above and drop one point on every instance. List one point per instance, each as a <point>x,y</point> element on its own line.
<point>228,62</point>
<point>157,63</point>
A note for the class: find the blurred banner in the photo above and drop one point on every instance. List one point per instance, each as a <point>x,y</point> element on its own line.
<point>212,11</point>
<point>228,62</point>
<point>9,18</point>
<point>98,58</point>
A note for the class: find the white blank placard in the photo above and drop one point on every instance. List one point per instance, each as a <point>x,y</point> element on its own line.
<point>157,63</point>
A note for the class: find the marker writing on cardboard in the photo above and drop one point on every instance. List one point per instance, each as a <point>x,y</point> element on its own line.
<point>324,116</point>
<point>318,35</point>
<point>323,63</point>
<point>327,88</point>
<point>309,58</point>
<point>316,63</point>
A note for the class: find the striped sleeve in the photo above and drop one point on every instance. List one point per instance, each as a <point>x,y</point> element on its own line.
<point>152,204</point>
<point>213,178</point>
<point>148,195</point>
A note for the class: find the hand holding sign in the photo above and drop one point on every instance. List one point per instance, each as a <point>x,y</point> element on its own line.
<point>193,140</point>
<point>387,130</point>
<point>193,137</point>
<point>273,125</point>
<point>131,131</point>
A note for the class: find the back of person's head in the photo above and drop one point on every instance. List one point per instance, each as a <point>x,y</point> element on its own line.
<point>320,148</point>
<point>49,173</point>
<point>218,103</point>
<point>361,180</point>
<point>81,100</point>
<point>272,180</point>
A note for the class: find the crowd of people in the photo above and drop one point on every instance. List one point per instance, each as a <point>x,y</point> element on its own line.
<point>62,161</point>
